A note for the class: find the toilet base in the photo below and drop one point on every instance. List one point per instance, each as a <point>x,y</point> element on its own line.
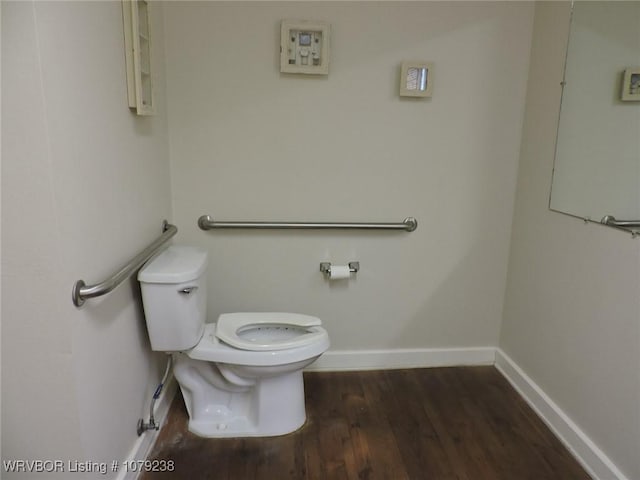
<point>217,409</point>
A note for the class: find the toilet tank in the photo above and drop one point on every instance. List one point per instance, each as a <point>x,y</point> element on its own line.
<point>174,295</point>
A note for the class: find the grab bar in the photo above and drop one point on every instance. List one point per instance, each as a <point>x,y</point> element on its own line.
<point>611,220</point>
<point>409,224</point>
<point>82,291</point>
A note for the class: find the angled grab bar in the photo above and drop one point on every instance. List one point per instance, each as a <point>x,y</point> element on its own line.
<point>82,291</point>
<point>205,222</point>
<point>611,220</point>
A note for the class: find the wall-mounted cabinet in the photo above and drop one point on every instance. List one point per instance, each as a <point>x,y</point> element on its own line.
<point>137,43</point>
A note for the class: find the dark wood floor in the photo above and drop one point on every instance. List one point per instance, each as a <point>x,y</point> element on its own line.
<point>462,423</point>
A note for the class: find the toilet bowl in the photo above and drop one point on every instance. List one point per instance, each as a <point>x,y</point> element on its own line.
<point>240,376</point>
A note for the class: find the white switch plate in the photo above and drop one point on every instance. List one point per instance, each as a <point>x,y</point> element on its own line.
<point>304,47</point>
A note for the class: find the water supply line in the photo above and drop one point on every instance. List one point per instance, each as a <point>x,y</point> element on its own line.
<point>152,425</point>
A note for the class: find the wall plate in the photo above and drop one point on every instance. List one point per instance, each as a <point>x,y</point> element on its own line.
<point>304,47</point>
<point>416,79</point>
<point>631,85</point>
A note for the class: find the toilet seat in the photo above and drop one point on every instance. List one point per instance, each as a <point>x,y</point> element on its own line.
<point>258,331</point>
<point>211,349</point>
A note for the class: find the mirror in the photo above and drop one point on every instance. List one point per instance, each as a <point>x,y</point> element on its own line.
<point>597,166</point>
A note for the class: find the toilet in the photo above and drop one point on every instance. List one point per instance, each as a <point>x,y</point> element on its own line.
<point>240,376</point>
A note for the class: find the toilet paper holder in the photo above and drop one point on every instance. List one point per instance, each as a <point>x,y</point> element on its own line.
<point>325,267</point>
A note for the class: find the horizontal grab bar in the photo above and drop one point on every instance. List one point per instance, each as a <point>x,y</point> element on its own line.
<point>205,222</point>
<point>82,291</point>
<point>611,220</point>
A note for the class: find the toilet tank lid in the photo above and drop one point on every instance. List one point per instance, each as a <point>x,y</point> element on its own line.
<point>176,264</point>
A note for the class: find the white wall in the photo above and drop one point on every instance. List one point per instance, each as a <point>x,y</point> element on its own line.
<point>571,311</point>
<point>248,143</point>
<point>85,185</point>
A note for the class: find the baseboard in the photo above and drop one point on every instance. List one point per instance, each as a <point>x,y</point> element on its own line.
<point>345,360</point>
<point>597,464</point>
<point>145,442</point>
